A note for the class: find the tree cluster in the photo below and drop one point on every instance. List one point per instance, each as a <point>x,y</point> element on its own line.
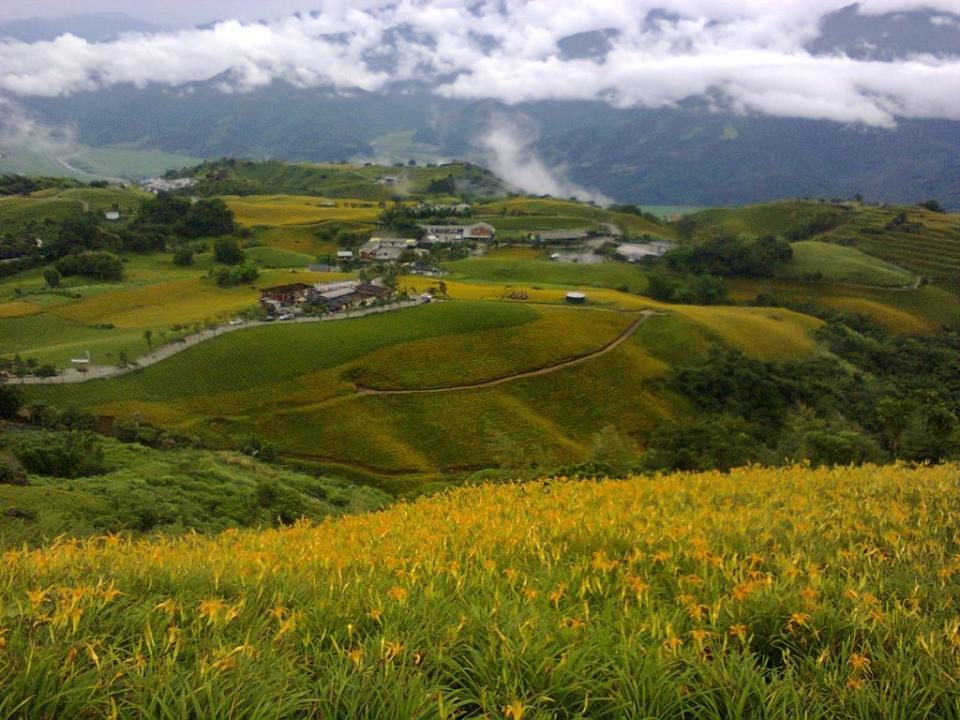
<point>731,256</point>
<point>98,265</point>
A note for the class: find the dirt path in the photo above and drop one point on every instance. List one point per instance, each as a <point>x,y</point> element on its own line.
<point>546,370</point>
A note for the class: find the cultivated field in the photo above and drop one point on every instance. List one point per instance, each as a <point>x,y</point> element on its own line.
<point>302,386</point>
<point>280,210</point>
<point>763,593</point>
<point>513,270</point>
<point>841,264</point>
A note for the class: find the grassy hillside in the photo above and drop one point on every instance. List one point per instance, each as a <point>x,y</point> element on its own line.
<point>913,238</point>
<point>333,180</point>
<point>298,385</point>
<point>170,491</point>
<point>785,593</point>
<point>768,219</point>
<point>17,212</point>
<point>925,242</point>
<point>524,214</point>
<point>837,263</point>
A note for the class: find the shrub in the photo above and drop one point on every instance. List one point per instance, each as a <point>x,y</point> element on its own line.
<point>11,471</point>
<point>237,275</point>
<point>9,402</point>
<point>99,265</point>
<point>227,251</point>
<point>183,256</point>
<point>256,446</point>
<point>66,455</point>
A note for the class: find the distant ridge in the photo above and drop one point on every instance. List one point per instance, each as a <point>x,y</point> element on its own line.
<point>96,27</point>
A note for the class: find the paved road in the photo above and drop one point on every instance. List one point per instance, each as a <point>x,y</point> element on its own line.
<point>99,372</point>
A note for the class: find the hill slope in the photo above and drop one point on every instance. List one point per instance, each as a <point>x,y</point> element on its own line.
<point>787,592</point>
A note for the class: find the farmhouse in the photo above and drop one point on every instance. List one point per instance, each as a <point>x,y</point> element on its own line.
<point>386,248</point>
<point>334,296</point>
<point>352,295</point>
<point>449,234</point>
<point>284,296</point>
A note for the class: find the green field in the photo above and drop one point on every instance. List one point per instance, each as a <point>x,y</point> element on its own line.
<point>837,263</point>
<point>612,275</point>
<point>17,212</point>
<point>270,257</point>
<point>144,490</point>
<point>519,214</point>
<point>767,219</point>
<point>88,164</point>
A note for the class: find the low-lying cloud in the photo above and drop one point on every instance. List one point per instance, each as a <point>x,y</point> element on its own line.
<point>747,56</point>
<point>510,154</point>
<point>22,130</point>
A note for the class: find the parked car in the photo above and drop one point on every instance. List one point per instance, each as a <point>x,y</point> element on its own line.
<point>236,321</point>
<point>286,316</point>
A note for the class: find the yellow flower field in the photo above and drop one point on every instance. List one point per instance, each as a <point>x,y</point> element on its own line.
<point>763,593</point>
<point>299,210</point>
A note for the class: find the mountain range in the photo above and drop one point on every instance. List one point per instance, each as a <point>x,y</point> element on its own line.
<point>690,154</point>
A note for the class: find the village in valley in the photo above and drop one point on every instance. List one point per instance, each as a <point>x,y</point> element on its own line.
<point>417,249</point>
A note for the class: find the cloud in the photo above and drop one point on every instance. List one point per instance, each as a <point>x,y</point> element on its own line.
<point>509,147</point>
<point>19,129</point>
<point>748,56</point>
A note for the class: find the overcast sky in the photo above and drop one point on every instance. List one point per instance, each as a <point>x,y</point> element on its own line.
<point>744,55</point>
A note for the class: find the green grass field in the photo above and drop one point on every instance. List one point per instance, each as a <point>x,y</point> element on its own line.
<point>93,163</point>
<point>174,491</point>
<point>837,263</point>
<point>535,213</point>
<point>499,269</point>
<point>767,219</point>
<point>17,212</point>
<point>271,257</point>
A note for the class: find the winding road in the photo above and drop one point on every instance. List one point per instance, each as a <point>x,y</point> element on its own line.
<point>100,372</point>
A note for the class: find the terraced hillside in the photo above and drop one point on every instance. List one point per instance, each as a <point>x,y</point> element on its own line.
<point>785,592</point>
<point>913,238</point>
<point>925,242</point>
